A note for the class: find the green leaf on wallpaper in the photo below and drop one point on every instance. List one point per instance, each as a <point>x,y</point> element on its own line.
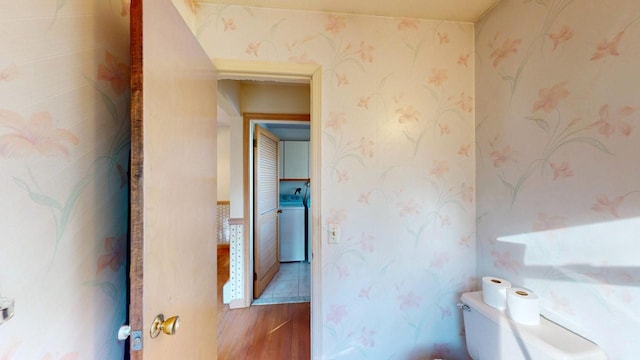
<point>275,26</point>
<point>356,157</point>
<point>541,123</point>
<point>351,60</point>
<point>433,92</point>
<point>383,81</point>
<point>330,41</point>
<point>68,206</point>
<point>36,197</point>
<point>60,4</point>
<point>107,288</point>
<point>248,10</point>
<point>590,141</point>
<point>109,105</point>
<point>331,139</point>
<point>506,183</point>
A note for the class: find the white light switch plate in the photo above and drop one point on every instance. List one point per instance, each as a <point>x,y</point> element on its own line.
<point>334,234</point>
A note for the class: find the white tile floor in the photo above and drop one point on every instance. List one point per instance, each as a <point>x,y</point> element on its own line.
<point>291,284</point>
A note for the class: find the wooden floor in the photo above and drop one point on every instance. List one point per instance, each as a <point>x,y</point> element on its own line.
<point>268,332</point>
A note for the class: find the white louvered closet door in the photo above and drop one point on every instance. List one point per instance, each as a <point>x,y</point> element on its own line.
<point>266,185</point>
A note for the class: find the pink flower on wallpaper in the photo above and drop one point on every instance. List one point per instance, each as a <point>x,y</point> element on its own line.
<point>464,60</point>
<point>342,79</point>
<point>366,147</point>
<point>302,59</point>
<point>363,198</point>
<point>610,121</point>
<point>408,24</point>
<point>9,73</point>
<point>9,351</point>
<point>336,217</point>
<point>561,171</point>
<point>443,38</point>
<point>444,129</point>
<point>343,176</point>
<point>364,102</point>
<point>229,24</point>
<point>509,47</point>
<point>335,24</point>
<point>465,241</point>
<point>36,135</point>
<point>366,242</point>
<point>343,271</point>
<point>438,168</point>
<point>561,36</point>
<point>505,261</point>
<point>336,314</point>
<point>604,205</point>
<point>252,48</point>
<point>445,312</point>
<point>463,150</point>
<point>408,300</point>
<point>439,260</point>
<point>503,156</point>
<point>409,208</point>
<point>193,5</point>
<point>114,72</point>
<point>69,356</point>
<point>407,114</point>
<point>549,97</point>
<point>549,222</point>
<point>366,338</point>
<point>336,121</point>
<point>467,193</point>
<point>440,351</point>
<point>366,52</point>
<point>364,293</point>
<point>607,48</point>
<point>114,252</point>
<point>465,102</point>
<point>438,77</point>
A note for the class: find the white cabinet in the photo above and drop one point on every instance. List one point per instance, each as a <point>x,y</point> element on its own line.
<point>294,159</point>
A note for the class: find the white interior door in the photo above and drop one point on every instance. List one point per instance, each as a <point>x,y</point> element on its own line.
<point>266,192</point>
<point>173,185</point>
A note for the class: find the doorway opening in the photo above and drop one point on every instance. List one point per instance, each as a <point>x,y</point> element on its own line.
<point>309,74</point>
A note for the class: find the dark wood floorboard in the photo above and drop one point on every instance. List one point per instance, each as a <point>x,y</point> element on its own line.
<point>261,332</point>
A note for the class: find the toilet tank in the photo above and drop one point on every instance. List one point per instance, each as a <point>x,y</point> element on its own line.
<point>491,335</point>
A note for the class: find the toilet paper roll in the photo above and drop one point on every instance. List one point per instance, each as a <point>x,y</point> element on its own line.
<point>494,291</point>
<point>523,306</point>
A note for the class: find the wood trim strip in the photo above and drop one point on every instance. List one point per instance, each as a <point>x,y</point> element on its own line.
<point>137,176</point>
<point>236,221</point>
<point>224,202</point>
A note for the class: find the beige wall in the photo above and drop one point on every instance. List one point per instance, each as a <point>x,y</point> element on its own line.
<point>224,163</point>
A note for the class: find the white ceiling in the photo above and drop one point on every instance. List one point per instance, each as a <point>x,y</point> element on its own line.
<point>452,10</point>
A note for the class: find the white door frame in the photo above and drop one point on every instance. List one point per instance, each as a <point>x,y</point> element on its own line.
<point>290,73</point>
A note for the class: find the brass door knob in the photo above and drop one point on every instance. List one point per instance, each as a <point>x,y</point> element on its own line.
<point>169,326</point>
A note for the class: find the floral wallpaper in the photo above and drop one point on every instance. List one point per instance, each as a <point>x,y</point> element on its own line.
<point>64,147</point>
<point>397,164</point>
<point>557,115</point>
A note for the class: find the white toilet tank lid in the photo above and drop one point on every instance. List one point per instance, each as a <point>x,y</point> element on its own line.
<point>549,337</point>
